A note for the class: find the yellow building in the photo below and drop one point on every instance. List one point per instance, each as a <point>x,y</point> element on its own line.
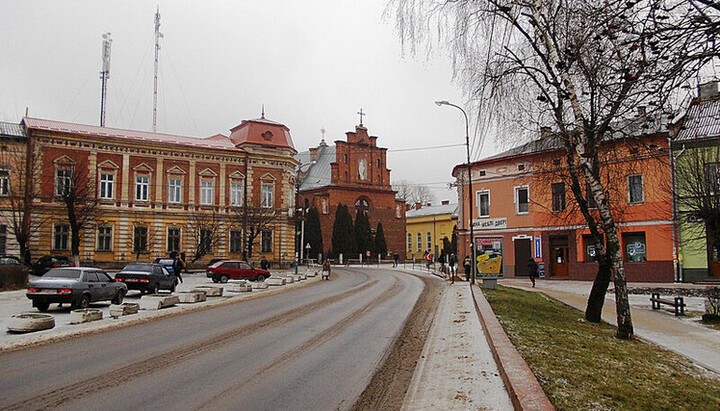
<point>426,226</point>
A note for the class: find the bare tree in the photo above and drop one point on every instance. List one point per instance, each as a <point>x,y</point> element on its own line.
<point>143,237</point>
<point>413,193</point>
<point>76,188</point>
<point>254,221</point>
<point>20,170</point>
<point>584,66</point>
<point>205,232</point>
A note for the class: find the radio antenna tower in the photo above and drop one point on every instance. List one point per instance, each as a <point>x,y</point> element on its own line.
<point>104,75</point>
<point>158,36</point>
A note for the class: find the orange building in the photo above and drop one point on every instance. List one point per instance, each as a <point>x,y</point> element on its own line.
<point>523,208</point>
<point>158,193</point>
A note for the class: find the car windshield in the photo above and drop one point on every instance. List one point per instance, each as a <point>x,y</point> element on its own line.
<point>54,273</point>
<point>166,261</point>
<point>138,267</point>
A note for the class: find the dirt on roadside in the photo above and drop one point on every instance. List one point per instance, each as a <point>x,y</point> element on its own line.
<point>388,386</point>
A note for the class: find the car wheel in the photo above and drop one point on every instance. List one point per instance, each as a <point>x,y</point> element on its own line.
<point>224,278</point>
<point>84,302</point>
<point>118,299</point>
<point>260,277</point>
<point>43,307</point>
<point>156,288</point>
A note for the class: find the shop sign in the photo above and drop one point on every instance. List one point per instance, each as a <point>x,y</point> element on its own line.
<point>490,223</point>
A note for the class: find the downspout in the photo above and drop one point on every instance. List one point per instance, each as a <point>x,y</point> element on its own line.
<point>678,273</point>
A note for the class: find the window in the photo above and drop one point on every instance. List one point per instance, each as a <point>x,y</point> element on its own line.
<point>106,185</point>
<point>4,182</point>
<point>409,244</point>
<point>235,241</point>
<point>206,240</point>
<point>378,162</point>
<point>3,239</point>
<point>362,169</point>
<point>362,205</point>
<point>482,173</point>
<point>419,242</point>
<point>173,239</point>
<point>558,197</point>
<point>522,200</point>
<point>140,239</point>
<point>61,236</point>
<point>104,237</point>
<point>429,242</point>
<point>236,194</point>
<point>591,249</point>
<point>174,190</point>
<point>483,203</point>
<point>206,192</point>
<point>635,189</point>
<point>266,241</point>
<point>635,250</point>
<point>142,184</point>
<point>521,167</point>
<point>268,191</point>
<point>345,158</point>
<point>63,181</point>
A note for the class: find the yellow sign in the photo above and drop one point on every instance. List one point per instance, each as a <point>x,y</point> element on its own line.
<point>487,265</point>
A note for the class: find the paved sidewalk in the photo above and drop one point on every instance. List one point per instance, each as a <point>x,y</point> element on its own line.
<point>681,335</point>
<point>457,369</point>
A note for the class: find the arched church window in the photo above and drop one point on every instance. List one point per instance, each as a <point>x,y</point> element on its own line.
<point>362,205</point>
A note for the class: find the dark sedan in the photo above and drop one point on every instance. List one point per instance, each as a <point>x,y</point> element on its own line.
<point>147,277</point>
<point>48,262</point>
<point>78,286</point>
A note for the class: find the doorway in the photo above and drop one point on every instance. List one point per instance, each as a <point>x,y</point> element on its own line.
<point>522,255</point>
<point>559,251</point>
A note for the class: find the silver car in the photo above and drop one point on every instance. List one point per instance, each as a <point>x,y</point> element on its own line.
<point>78,286</point>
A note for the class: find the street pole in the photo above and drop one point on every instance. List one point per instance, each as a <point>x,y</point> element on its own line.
<point>470,194</point>
<point>299,247</point>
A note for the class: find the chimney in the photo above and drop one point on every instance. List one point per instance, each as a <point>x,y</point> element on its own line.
<point>314,153</point>
<point>445,202</point>
<point>418,206</point>
<point>545,131</point>
<point>708,89</point>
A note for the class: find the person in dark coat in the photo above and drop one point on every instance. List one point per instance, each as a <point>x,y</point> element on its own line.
<point>178,267</point>
<point>467,265</point>
<point>532,270</point>
<point>264,264</point>
<point>396,259</point>
<point>452,260</point>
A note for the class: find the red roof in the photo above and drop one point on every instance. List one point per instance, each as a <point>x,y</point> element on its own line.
<point>263,132</point>
<point>216,142</point>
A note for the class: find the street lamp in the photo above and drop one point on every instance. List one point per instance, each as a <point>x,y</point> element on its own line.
<point>298,247</point>
<point>470,195</point>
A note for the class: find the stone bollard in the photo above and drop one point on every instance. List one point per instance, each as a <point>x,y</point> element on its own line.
<point>29,322</point>
<point>209,290</point>
<point>118,310</point>
<point>85,315</point>
<point>158,301</point>
<point>191,297</point>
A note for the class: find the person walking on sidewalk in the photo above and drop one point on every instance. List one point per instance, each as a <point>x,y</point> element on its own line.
<point>532,270</point>
<point>452,260</point>
<point>326,270</point>
<point>466,264</point>
<point>177,267</point>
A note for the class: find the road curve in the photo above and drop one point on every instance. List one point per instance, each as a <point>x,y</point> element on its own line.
<point>311,348</point>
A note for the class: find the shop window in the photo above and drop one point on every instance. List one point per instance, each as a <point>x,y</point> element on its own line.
<point>591,250</point>
<point>635,247</point>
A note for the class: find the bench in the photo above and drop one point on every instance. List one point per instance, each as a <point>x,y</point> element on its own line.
<point>678,303</point>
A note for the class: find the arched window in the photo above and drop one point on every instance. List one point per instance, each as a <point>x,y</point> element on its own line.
<point>362,205</point>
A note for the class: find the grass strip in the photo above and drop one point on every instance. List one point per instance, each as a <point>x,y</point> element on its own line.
<point>581,365</point>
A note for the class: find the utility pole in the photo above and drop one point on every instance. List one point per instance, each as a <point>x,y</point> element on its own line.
<point>158,36</point>
<point>104,75</point>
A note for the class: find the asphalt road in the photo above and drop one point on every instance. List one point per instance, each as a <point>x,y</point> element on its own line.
<point>310,348</point>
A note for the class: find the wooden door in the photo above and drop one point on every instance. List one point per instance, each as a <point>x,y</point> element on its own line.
<point>560,261</point>
<point>522,256</point>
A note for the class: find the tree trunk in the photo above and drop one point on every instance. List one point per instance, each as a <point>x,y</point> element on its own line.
<point>596,300</point>
<point>622,304</point>
<point>75,245</point>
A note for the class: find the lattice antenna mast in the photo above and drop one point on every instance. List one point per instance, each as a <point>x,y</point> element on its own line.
<point>158,36</point>
<point>104,75</point>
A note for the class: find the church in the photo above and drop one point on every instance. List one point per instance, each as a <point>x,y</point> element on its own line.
<point>352,172</point>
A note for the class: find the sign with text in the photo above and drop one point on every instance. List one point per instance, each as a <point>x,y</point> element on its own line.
<point>538,247</point>
<point>489,257</point>
<point>490,223</point>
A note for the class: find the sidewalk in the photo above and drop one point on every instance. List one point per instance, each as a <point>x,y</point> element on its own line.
<point>679,334</point>
<point>457,369</point>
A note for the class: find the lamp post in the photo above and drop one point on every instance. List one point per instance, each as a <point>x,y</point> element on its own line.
<point>299,247</point>
<point>470,194</point>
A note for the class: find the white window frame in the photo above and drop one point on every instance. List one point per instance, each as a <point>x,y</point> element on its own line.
<point>4,182</point>
<point>642,189</point>
<point>207,192</point>
<point>174,190</point>
<point>64,241</point>
<point>428,237</point>
<point>107,185</point>
<point>63,178</point>
<point>478,201</point>
<point>236,193</point>
<point>516,198</point>
<point>267,192</point>
<point>409,243</point>
<point>104,235</point>
<point>419,242</point>
<point>142,187</point>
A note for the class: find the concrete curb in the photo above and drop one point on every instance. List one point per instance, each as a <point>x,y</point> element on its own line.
<point>522,386</point>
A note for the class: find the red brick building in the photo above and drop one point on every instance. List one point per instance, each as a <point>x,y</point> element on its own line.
<point>352,172</point>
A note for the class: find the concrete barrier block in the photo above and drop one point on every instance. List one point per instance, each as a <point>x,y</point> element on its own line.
<point>85,315</point>
<point>275,281</point>
<point>312,273</point>
<point>30,322</point>
<point>158,301</point>
<point>289,279</point>
<point>239,288</point>
<point>124,309</point>
<point>259,285</point>
<point>210,291</point>
<point>191,297</point>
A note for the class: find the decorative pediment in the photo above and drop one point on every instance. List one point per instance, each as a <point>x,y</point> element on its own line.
<point>236,175</point>
<point>208,172</point>
<point>107,164</point>
<point>175,170</point>
<point>142,168</point>
<point>268,178</point>
<point>64,161</point>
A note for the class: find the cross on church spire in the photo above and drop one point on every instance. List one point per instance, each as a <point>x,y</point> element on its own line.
<point>361,116</point>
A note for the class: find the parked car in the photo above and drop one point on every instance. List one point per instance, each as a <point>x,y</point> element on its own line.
<point>78,286</point>
<point>213,261</point>
<point>147,277</point>
<point>44,264</point>
<point>167,263</point>
<point>13,274</point>
<point>224,270</point>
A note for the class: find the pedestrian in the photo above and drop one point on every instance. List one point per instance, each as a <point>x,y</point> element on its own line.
<point>441,260</point>
<point>451,263</point>
<point>173,254</point>
<point>177,267</point>
<point>532,270</point>
<point>326,269</point>
<point>264,264</point>
<point>467,265</point>
<point>396,259</point>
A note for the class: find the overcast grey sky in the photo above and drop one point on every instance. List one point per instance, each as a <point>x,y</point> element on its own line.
<point>312,63</point>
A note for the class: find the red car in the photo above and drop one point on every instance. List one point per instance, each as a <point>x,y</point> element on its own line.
<point>224,270</point>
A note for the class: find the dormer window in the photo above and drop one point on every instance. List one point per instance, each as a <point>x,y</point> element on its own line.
<point>267,135</point>
<point>521,167</point>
